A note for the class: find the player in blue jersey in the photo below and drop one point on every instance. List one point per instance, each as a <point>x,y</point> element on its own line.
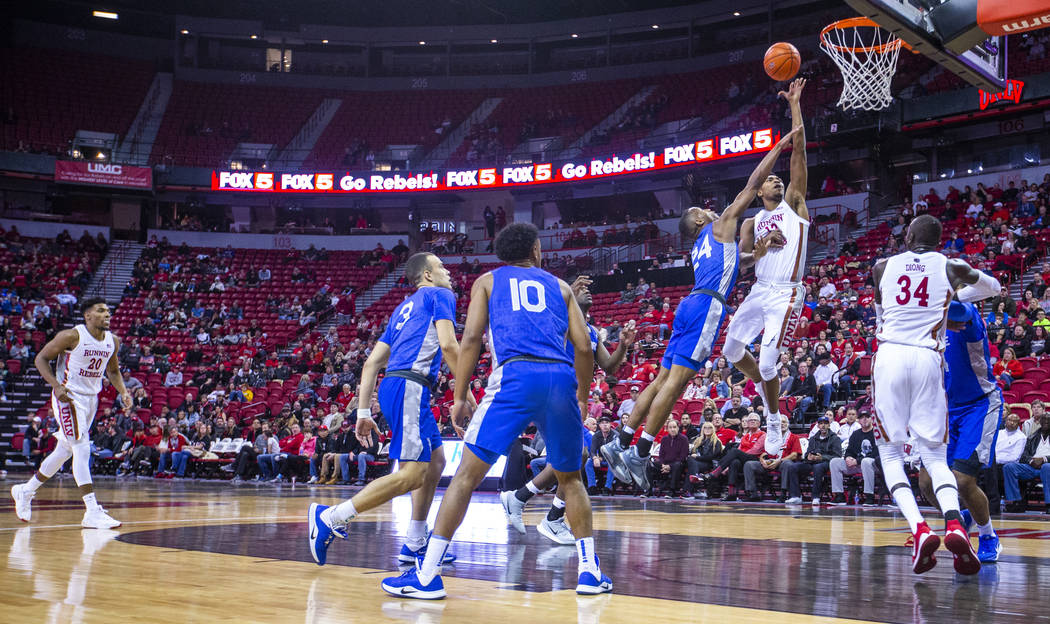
<point>528,314</point>
<point>419,331</point>
<point>553,525</point>
<point>975,412</point>
<point>697,322</point>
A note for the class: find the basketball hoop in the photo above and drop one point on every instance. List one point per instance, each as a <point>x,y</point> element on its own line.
<point>867,57</point>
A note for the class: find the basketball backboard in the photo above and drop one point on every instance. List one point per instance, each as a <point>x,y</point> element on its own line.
<point>941,31</point>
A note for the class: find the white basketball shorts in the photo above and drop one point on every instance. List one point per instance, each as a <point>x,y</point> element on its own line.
<point>908,392</point>
<point>771,310</point>
<point>74,418</point>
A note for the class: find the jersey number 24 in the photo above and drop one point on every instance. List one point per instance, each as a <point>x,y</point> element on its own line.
<point>703,252</point>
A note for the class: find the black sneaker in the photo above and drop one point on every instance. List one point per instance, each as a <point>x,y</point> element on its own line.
<point>838,499</point>
<point>781,498</point>
<point>729,498</point>
<point>754,498</point>
<point>1015,507</point>
<point>606,492</point>
<point>592,490</point>
<point>869,500</point>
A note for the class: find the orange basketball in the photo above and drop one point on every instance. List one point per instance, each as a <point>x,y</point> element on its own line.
<point>782,61</point>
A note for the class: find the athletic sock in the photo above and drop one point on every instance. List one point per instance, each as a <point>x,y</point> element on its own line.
<point>417,534</point>
<point>340,514</point>
<point>557,511</point>
<point>90,502</point>
<point>33,484</point>
<point>626,435</point>
<point>645,444</point>
<point>527,491</point>
<point>431,565</point>
<point>985,530</point>
<point>585,557</point>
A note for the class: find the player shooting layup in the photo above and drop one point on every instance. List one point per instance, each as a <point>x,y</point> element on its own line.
<point>775,302</point>
<point>697,322</point>
<point>84,354</point>
<point>912,293</point>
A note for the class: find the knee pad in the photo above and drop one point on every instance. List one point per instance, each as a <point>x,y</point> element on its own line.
<point>53,462</point>
<point>733,350</point>
<point>767,362</point>
<point>81,452</point>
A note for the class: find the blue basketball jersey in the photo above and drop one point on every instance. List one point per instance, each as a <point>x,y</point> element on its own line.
<point>527,315</point>
<point>715,264</point>
<point>412,335</point>
<point>969,376</point>
<point>570,350</point>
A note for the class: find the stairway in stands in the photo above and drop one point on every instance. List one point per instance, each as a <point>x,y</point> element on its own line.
<point>114,272</point>
<point>26,393</point>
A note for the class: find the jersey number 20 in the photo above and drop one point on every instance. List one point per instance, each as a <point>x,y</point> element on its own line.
<point>921,293</point>
<point>528,294</point>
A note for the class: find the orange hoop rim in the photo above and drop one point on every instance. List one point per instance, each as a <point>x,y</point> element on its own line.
<point>861,22</point>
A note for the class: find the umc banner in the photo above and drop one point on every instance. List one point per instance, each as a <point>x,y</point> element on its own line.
<point>103,174</point>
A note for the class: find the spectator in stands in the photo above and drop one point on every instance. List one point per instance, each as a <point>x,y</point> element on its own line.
<point>717,388</point>
<point>1007,369</point>
<point>170,445</point>
<point>247,457</point>
<point>264,274</point>
<point>734,408</point>
<point>288,445</point>
<point>805,388</point>
<point>824,378</point>
<point>823,447</point>
<point>752,444</point>
<point>1010,443</point>
<point>670,461</point>
<point>629,293</point>
<point>704,452</point>
<point>1040,340</point>
<point>173,378</point>
<point>765,464</point>
<point>861,456</point>
<point>107,443</point>
<point>322,447</point>
<point>595,461</point>
<point>1033,464</point>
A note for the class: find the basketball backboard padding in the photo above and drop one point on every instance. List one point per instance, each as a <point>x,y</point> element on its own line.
<point>912,26</point>
<point>956,24</point>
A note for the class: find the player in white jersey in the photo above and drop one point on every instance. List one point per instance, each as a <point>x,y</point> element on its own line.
<point>774,304</point>
<point>912,293</point>
<point>84,354</point>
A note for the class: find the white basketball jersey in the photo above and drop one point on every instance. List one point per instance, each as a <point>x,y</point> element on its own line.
<point>81,369</point>
<point>782,265</point>
<point>915,296</point>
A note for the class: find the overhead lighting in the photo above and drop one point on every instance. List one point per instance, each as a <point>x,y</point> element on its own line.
<point>324,41</point>
<point>574,36</point>
<point>184,31</point>
<point>422,43</point>
<point>100,156</point>
<point>736,13</point>
<point>105,14</point>
<point>254,37</point>
<point>494,41</point>
<point>655,26</point>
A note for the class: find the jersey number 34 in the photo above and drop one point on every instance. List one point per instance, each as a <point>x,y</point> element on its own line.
<point>920,294</point>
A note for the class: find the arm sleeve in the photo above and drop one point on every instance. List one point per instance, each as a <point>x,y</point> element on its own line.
<point>444,303</point>
<point>985,287</point>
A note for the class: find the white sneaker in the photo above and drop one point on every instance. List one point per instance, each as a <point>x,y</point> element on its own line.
<point>23,502</point>
<point>816,502</point>
<point>794,500</point>
<point>312,480</point>
<point>774,438</point>
<point>556,531</point>
<point>97,518</point>
<point>513,507</point>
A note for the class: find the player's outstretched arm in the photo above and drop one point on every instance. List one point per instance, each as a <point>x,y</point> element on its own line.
<point>65,340</point>
<point>725,228</point>
<point>611,362</point>
<point>795,195</point>
<point>970,284</point>
<point>376,360</point>
<point>581,342</point>
<point>115,378</point>
<point>470,346</point>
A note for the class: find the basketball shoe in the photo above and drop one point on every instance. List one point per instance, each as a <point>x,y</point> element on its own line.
<point>556,531</point>
<point>513,508</point>
<point>321,533</point>
<point>613,454</point>
<point>23,502</point>
<point>408,585</point>
<point>924,546</point>
<point>958,542</point>
<point>97,518</point>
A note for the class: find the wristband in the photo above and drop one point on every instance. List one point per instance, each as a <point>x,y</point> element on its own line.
<point>364,412</point>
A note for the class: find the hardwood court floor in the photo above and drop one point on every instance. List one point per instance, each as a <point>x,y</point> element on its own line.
<point>210,552</point>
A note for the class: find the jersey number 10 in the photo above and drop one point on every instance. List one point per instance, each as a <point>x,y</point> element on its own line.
<point>921,293</point>
<point>528,294</point>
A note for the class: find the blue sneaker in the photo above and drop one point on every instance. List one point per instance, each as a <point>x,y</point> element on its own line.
<point>407,555</point>
<point>321,534</point>
<point>636,465</point>
<point>407,585</point>
<point>967,520</point>
<point>588,585</point>
<point>988,548</point>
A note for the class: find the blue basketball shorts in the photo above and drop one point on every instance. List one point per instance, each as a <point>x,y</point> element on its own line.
<point>697,323</point>
<point>406,407</point>
<point>972,431</point>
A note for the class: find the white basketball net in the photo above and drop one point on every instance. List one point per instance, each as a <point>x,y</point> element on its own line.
<point>867,57</point>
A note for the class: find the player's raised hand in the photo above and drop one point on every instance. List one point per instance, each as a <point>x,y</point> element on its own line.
<point>794,91</point>
<point>784,140</point>
<point>628,333</point>
<point>580,284</point>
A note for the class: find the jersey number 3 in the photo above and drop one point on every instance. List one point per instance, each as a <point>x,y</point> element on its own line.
<point>921,294</point>
<point>406,313</point>
<point>528,294</point>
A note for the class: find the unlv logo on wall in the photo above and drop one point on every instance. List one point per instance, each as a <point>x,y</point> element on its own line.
<point>103,174</point>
